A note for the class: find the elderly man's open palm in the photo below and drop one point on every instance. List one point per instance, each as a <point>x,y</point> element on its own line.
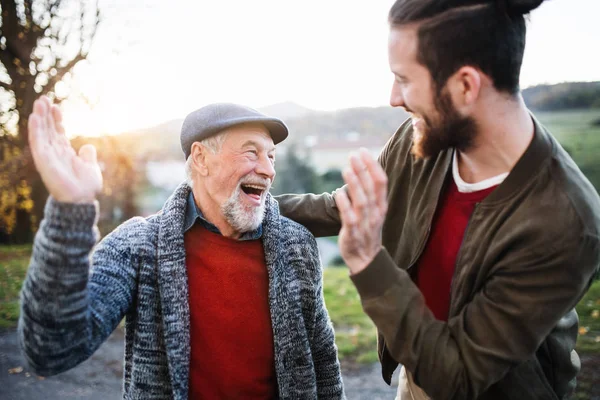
<point>68,177</point>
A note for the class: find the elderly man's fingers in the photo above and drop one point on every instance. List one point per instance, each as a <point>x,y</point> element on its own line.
<point>37,141</point>
<point>57,120</point>
<point>379,179</point>
<point>48,119</point>
<point>40,123</point>
<point>87,153</point>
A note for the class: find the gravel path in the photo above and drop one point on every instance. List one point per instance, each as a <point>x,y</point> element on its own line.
<point>100,377</point>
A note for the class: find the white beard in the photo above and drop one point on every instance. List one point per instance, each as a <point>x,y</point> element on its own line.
<point>243,218</point>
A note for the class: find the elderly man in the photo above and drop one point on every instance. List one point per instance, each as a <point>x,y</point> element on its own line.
<point>221,295</point>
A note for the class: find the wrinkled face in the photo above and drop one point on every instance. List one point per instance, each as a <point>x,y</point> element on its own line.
<point>240,176</point>
<point>437,125</point>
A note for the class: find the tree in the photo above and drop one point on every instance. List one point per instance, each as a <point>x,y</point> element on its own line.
<point>295,174</point>
<point>40,43</point>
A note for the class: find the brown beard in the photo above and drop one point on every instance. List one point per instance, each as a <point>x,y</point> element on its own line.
<point>451,130</point>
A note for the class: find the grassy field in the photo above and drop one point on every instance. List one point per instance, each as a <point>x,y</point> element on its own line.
<point>13,265</point>
<point>355,333</point>
<point>576,131</point>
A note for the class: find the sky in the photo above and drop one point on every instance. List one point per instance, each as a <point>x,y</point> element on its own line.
<point>153,61</point>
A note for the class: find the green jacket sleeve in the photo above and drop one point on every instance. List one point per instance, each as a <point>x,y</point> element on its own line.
<point>318,213</point>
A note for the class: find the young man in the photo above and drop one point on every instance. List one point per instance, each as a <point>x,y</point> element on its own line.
<point>475,236</point>
<point>222,296</point>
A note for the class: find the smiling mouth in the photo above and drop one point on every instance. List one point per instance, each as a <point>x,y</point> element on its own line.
<point>255,191</point>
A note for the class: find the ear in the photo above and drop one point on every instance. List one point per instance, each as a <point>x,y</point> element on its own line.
<point>199,155</point>
<point>465,88</point>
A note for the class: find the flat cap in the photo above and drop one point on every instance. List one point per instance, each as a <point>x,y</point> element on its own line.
<point>214,118</point>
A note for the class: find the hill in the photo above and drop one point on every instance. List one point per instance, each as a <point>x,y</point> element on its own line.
<point>364,125</point>
<point>286,110</point>
<point>307,127</point>
<point>563,96</point>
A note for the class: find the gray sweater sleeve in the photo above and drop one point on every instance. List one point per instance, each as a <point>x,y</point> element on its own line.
<point>70,305</point>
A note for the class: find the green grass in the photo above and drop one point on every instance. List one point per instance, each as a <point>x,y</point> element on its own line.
<point>355,334</point>
<point>13,266</point>
<point>588,342</point>
<point>589,321</point>
<point>574,130</point>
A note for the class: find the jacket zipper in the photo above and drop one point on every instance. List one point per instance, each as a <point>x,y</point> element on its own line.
<point>459,256</point>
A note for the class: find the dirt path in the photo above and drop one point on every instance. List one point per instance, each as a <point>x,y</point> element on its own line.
<point>100,377</point>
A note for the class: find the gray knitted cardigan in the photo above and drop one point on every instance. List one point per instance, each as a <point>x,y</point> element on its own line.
<point>68,308</point>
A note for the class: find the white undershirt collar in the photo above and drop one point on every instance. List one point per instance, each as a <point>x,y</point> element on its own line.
<point>465,187</point>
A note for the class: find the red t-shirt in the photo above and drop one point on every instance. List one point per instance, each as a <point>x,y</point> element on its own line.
<point>436,265</point>
<point>231,337</point>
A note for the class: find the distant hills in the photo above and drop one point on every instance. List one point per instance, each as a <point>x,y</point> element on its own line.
<point>161,142</point>
<point>568,95</point>
<point>286,110</point>
<point>360,125</point>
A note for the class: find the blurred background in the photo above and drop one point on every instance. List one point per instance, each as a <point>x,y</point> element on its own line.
<point>126,74</point>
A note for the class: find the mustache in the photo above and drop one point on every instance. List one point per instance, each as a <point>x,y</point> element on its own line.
<point>255,180</point>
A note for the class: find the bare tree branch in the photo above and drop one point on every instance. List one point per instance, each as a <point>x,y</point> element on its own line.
<point>53,7</point>
<point>52,81</point>
<point>6,87</point>
<point>28,12</point>
<point>7,60</point>
<point>9,14</point>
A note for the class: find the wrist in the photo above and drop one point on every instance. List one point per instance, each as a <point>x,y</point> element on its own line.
<point>359,264</point>
<point>74,199</point>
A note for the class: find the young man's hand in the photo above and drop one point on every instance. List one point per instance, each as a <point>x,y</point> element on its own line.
<point>362,219</point>
<point>68,177</point>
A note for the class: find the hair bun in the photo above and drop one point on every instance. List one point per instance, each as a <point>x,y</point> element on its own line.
<point>516,7</point>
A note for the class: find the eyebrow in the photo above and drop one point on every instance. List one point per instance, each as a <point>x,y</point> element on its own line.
<point>255,144</point>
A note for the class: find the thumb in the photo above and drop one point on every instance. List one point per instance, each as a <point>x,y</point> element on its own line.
<point>87,152</point>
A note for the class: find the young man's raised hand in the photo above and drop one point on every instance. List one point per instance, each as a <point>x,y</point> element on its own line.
<point>363,217</point>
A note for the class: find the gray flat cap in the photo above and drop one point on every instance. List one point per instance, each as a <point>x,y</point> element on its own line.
<point>214,118</point>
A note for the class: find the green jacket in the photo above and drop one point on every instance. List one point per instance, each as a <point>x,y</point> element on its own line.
<point>528,256</point>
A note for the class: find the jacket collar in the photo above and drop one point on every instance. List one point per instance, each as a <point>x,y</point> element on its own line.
<point>538,152</point>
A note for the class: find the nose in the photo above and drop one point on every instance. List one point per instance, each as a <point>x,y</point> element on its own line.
<point>265,167</point>
<point>396,98</point>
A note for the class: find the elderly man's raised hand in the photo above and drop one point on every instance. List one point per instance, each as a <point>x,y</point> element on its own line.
<point>69,177</point>
<point>362,219</point>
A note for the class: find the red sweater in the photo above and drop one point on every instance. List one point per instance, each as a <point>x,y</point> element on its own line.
<point>436,265</point>
<point>230,334</point>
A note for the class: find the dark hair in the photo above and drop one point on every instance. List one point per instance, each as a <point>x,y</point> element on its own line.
<point>488,35</point>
